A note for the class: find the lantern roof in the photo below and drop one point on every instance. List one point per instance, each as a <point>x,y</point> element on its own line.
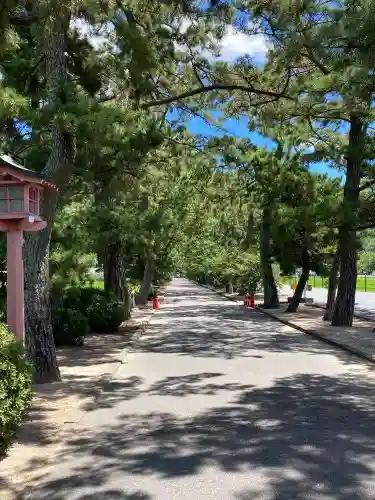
<point>22,172</point>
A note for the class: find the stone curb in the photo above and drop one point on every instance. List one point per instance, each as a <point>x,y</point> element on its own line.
<point>124,354</point>
<point>343,347</point>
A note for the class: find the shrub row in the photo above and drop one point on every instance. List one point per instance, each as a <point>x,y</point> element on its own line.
<point>15,385</point>
<point>83,310</point>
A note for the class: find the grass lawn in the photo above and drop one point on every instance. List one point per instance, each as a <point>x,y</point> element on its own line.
<point>98,284</point>
<point>364,283</point>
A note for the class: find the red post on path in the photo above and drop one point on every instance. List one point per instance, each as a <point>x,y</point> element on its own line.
<point>252,301</point>
<point>155,303</point>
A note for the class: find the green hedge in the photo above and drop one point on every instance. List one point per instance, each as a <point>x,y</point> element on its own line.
<point>15,385</point>
<point>82,310</point>
<point>105,315</point>
<point>80,299</point>
<point>69,327</point>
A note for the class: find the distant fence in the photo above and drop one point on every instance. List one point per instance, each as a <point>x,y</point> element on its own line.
<point>364,283</point>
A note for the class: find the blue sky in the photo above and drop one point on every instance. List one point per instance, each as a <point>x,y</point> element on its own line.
<point>238,128</point>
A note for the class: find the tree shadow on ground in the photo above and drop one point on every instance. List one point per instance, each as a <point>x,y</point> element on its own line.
<point>294,429</point>
<point>98,348</point>
<point>85,371</point>
<point>209,328</point>
<point>132,387</point>
<point>304,437</point>
<point>223,329</point>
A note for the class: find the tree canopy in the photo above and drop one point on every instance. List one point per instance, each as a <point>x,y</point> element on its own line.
<point>99,98</point>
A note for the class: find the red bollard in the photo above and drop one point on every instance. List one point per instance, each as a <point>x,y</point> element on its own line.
<point>252,301</point>
<point>155,303</point>
<point>246,300</point>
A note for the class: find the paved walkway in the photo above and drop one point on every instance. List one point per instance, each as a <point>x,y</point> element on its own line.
<point>223,403</point>
<point>364,301</point>
<point>57,407</point>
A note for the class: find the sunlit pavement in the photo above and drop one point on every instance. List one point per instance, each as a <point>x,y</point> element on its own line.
<point>218,403</point>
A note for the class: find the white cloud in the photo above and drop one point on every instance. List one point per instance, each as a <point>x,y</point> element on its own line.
<point>233,45</point>
<point>236,44</point>
<point>305,148</point>
<point>97,37</point>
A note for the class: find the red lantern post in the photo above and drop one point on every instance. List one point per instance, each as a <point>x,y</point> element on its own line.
<point>20,194</point>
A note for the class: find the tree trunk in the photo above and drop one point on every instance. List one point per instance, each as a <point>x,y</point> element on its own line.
<point>39,340</point>
<point>146,282</point>
<point>345,300</point>
<point>297,296</point>
<point>100,258</point>
<point>332,287</point>
<point>38,330</point>
<point>132,300</point>
<point>114,273</point>
<point>271,298</point>
<point>3,279</point>
<point>127,300</point>
<point>229,288</point>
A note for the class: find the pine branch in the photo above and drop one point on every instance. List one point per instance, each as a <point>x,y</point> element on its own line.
<point>23,20</point>
<point>366,185</point>
<point>213,87</point>
<point>107,98</point>
<point>370,225</point>
<point>311,56</point>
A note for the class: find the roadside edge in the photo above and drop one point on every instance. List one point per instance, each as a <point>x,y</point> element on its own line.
<point>322,338</point>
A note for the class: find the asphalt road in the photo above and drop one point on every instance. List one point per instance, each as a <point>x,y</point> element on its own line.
<point>221,403</point>
<point>364,301</point>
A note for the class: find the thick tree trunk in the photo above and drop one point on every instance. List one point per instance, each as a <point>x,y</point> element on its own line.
<point>128,305</point>
<point>302,282</point>
<point>332,287</point>
<point>38,331</point>
<point>146,282</point>
<point>345,300</point>
<point>297,296</point>
<point>271,298</point>
<point>114,273</point>
<point>100,258</point>
<point>229,288</point>
<point>3,279</point>
<point>39,337</point>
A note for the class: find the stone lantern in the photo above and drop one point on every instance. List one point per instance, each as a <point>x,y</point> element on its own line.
<point>20,195</point>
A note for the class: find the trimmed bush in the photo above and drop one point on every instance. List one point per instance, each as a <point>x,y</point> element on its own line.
<point>69,327</point>
<point>105,315</point>
<point>80,299</point>
<point>15,385</point>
